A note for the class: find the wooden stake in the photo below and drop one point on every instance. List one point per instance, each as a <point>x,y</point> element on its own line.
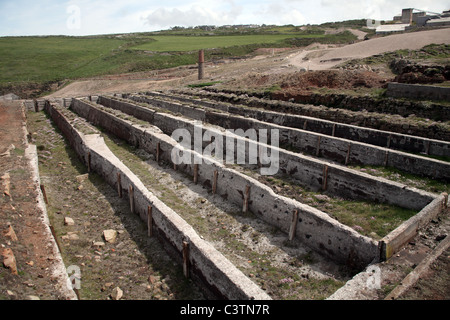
<point>186,259</point>
<point>427,150</point>
<point>119,185</point>
<point>293,225</point>
<point>52,229</point>
<point>305,124</point>
<point>325,177</point>
<point>318,146</point>
<point>246,197</point>
<point>334,130</point>
<point>195,173</point>
<point>347,158</point>
<point>44,193</point>
<point>386,158</point>
<point>214,186</point>
<point>388,145</point>
<point>89,162</point>
<point>158,148</point>
<point>150,221</point>
<point>131,195</point>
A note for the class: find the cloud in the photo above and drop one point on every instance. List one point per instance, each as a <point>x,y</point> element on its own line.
<point>194,15</point>
<point>281,13</point>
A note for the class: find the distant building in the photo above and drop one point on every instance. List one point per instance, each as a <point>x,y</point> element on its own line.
<point>407,16</point>
<point>417,17</point>
<point>439,22</point>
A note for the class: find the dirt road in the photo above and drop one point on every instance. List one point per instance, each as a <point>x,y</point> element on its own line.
<point>326,59</point>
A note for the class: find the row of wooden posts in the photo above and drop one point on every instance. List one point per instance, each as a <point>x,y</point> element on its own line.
<point>185,245</point>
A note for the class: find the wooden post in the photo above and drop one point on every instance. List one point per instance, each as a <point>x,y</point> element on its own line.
<point>195,173</point>
<point>214,186</point>
<point>334,130</point>
<point>158,152</point>
<point>150,221</point>
<point>186,259</point>
<point>44,193</point>
<point>131,195</point>
<point>293,225</point>
<point>305,124</point>
<point>347,158</point>
<point>445,202</point>
<point>388,145</point>
<point>246,197</point>
<point>119,185</point>
<point>318,146</point>
<point>89,162</point>
<point>386,158</point>
<point>427,150</point>
<point>325,177</point>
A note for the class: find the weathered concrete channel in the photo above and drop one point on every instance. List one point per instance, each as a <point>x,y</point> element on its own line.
<point>312,227</point>
<point>432,201</point>
<point>314,173</point>
<point>341,150</point>
<point>200,260</point>
<point>369,129</point>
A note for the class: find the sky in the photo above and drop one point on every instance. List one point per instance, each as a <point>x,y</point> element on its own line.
<point>93,17</point>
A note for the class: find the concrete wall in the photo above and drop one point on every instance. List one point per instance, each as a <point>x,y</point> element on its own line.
<point>417,91</point>
<point>207,265</point>
<point>375,137</point>
<point>314,228</point>
<point>307,171</point>
<point>332,148</point>
<point>377,121</point>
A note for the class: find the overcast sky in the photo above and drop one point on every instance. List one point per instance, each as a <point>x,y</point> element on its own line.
<point>90,17</point>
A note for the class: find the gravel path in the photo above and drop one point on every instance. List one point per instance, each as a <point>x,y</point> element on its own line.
<point>334,56</point>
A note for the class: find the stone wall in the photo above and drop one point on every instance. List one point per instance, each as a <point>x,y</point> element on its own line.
<point>422,92</point>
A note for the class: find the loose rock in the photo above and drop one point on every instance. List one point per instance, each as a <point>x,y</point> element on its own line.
<point>69,221</point>
<point>110,235</point>
<point>9,261</point>
<point>116,294</point>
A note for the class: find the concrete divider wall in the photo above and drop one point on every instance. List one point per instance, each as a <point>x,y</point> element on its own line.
<point>315,228</point>
<point>336,149</point>
<point>309,171</point>
<point>207,265</point>
<point>376,137</point>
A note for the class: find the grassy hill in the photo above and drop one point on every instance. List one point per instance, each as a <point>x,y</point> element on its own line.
<point>50,59</point>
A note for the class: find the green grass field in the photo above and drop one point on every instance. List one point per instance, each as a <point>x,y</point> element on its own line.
<point>44,60</point>
<point>54,58</point>
<point>182,43</point>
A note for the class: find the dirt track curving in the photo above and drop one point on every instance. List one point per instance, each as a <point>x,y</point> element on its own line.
<point>329,58</point>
